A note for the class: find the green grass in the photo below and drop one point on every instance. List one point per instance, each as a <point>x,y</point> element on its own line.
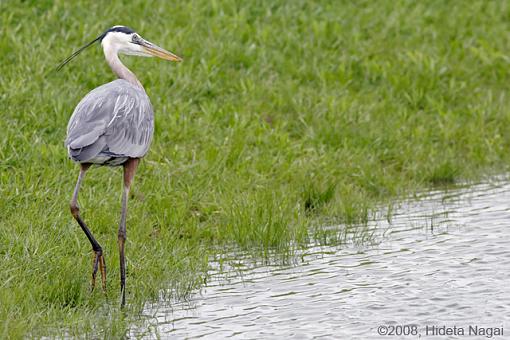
<point>284,116</point>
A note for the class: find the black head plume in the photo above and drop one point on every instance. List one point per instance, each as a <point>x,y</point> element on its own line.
<point>68,59</point>
<point>121,29</point>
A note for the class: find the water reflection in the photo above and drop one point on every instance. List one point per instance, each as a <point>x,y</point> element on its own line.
<point>443,260</point>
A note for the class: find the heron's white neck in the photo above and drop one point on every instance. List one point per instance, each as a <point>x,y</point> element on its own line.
<point>112,58</point>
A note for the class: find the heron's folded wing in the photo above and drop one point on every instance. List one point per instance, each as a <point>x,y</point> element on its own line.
<point>89,120</point>
<point>120,112</point>
<point>129,132</point>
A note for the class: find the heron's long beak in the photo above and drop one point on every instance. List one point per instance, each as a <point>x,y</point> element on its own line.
<point>159,52</point>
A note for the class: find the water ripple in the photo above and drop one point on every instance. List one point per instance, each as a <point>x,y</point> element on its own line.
<point>442,260</point>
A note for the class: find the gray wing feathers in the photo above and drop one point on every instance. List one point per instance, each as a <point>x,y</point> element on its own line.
<point>130,133</point>
<point>88,152</point>
<point>117,111</point>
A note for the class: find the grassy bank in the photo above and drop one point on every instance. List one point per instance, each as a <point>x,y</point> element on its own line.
<point>284,115</point>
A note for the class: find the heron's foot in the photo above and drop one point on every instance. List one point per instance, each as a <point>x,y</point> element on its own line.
<point>98,263</point>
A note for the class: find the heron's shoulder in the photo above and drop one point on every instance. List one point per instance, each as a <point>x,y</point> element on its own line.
<point>118,87</point>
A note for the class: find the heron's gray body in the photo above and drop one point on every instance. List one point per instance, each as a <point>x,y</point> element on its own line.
<point>111,123</point>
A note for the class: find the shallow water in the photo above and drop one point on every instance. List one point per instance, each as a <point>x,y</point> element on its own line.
<point>443,260</point>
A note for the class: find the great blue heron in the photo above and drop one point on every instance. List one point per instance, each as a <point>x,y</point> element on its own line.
<point>113,125</point>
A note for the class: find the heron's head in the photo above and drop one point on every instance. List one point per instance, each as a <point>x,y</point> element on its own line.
<point>122,39</point>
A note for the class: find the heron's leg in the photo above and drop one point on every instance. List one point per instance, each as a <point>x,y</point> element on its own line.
<point>129,174</point>
<point>98,251</point>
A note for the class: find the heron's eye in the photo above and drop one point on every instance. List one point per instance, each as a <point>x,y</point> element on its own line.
<point>135,39</point>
